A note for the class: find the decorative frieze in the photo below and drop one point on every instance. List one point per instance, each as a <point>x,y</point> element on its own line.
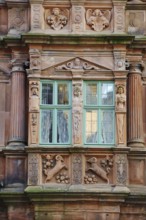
<point>17,20</point>
<point>97,171</point>
<point>33,169</point>
<point>98,19</point>
<point>57,18</point>
<point>54,169</point>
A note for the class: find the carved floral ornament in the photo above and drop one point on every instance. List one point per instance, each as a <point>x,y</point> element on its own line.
<point>97,19</point>
<point>57,18</point>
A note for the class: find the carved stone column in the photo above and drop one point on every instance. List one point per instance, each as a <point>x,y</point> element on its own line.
<point>119,15</point>
<point>17,114</point>
<point>135,117</point>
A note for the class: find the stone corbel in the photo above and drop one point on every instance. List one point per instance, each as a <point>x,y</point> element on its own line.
<point>119,16</point>
<point>119,59</point>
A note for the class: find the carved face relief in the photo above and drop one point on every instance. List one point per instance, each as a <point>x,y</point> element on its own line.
<point>97,19</point>
<point>57,18</point>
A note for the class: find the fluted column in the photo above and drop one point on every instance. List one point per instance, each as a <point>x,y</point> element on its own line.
<point>135,116</point>
<point>17,114</point>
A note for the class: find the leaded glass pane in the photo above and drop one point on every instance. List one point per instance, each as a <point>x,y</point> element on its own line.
<point>91,127</point>
<point>62,126</point>
<point>63,94</point>
<point>47,93</point>
<point>91,94</point>
<point>46,126</point>
<point>107,127</point>
<point>107,91</point>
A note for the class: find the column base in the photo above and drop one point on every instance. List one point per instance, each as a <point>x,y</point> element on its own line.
<point>16,144</point>
<point>136,144</point>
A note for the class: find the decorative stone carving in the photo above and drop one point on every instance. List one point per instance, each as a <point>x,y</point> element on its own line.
<point>34,96</point>
<point>78,21</point>
<point>36,16</point>
<point>34,123</point>
<point>136,22</point>
<point>119,17</point>
<point>57,18</point>
<point>35,59</point>
<point>77,64</point>
<point>17,18</point>
<point>33,169</point>
<point>77,168</point>
<point>100,170</point>
<point>90,179</point>
<point>52,166</point>
<point>121,169</point>
<point>77,112</point>
<point>98,19</point>
<point>119,60</point>
<point>120,98</point>
<point>62,178</point>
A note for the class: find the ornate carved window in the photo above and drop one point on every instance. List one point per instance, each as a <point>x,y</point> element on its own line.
<point>99,113</point>
<point>55,112</point>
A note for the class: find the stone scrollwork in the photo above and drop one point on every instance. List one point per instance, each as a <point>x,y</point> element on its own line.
<point>52,165</point>
<point>57,18</point>
<point>100,170</point>
<point>98,19</point>
<point>77,64</point>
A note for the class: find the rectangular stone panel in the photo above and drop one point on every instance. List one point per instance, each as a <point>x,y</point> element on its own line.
<point>136,171</point>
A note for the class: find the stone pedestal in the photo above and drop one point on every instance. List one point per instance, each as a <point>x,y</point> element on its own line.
<point>135,116</point>
<point>17,113</point>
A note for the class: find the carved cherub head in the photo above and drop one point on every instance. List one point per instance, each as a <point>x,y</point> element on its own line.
<point>56,11</point>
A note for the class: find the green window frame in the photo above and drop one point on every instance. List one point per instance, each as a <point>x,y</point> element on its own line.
<point>55,112</point>
<point>99,113</point>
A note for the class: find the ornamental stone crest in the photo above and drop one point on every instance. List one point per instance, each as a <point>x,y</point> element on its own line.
<point>97,19</point>
<point>57,18</point>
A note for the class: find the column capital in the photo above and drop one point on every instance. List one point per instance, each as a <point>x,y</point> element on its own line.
<point>135,67</point>
<point>17,65</point>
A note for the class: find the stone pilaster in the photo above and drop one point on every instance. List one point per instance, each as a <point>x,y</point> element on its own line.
<point>135,116</point>
<point>119,16</point>
<point>17,114</point>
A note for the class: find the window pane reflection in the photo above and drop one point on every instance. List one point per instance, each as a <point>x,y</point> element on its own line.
<point>62,126</point>
<point>91,94</point>
<point>46,126</point>
<point>47,93</point>
<point>107,127</point>
<point>63,94</point>
<point>107,94</point>
<point>91,127</point>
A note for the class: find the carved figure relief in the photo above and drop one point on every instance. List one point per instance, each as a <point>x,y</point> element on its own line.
<point>100,170</point>
<point>17,18</point>
<point>77,168</point>
<point>120,98</point>
<point>57,18</point>
<point>98,19</point>
<point>35,59</point>
<point>121,174</point>
<point>136,22</point>
<point>77,92</point>
<point>77,127</point>
<point>34,96</point>
<point>77,64</point>
<point>33,169</point>
<point>52,166</point>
